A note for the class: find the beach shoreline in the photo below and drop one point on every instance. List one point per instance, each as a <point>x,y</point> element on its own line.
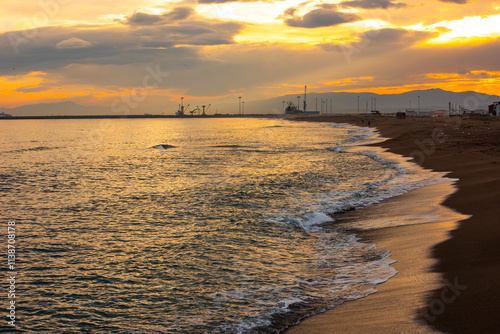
<point>395,305</point>
<point>459,265</point>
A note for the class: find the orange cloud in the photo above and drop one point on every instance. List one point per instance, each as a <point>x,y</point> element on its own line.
<point>485,82</point>
<point>35,87</point>
<point>348,81</point>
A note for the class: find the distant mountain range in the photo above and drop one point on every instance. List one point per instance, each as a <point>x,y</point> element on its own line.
<point>336,102</point>
<point>56,109</point>
<point>341,102</point>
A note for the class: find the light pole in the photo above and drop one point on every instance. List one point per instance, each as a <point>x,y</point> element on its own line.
<point>239,105</point>
<point>283,106</point>
<point>298,103</point>
<point>243,107</point>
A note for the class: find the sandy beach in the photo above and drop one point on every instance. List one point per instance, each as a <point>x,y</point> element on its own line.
<point>448,273</point>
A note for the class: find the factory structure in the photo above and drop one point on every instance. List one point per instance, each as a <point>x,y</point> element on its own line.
<point>494,109</point>
<point>291,108</point>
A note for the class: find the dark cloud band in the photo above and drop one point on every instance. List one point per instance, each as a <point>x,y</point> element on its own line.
<point>373,4</point>
<point>324,15</point>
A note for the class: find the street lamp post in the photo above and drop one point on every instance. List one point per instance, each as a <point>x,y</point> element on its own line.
<point>298,103</point>
<point>239,105</point>
<point>243,107</point>
<point>283,106</point>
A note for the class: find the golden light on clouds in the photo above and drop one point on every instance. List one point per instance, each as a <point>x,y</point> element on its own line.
<point>479,81</point>
<point>13,82</point>
<point>263,13</point>
<point>475,29</point>
<point>95,51</point>
<point>275,33</point>
<point>348,81</point>
<point>34,88</point>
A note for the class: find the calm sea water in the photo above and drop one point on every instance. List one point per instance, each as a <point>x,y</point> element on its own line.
<point>218,233</point>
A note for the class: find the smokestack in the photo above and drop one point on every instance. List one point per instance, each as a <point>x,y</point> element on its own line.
<point>305,96</point>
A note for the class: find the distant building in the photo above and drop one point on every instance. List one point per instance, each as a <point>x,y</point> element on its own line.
<point>493,109</point>
<point>4,115</point>
<point>419,112</point>
<point>440,113</point>
<point>479,112</point>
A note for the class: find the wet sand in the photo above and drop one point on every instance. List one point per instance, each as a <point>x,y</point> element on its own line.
<point>449,274</point>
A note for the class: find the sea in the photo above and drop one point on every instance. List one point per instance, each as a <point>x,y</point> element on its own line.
<point>198,225</point>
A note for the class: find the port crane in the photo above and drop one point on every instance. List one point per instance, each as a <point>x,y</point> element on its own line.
<point>203,111</point>
<point>197,110</point>
<point>291,108</point>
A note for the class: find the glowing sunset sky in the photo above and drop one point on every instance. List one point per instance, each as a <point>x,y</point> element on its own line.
<point>93,52</point>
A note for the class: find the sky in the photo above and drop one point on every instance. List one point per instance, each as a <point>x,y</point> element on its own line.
<point>145,55</point>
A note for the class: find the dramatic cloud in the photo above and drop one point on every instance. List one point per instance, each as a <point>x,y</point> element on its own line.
<point>395,59</point>
<point>372,4</point>
<point>204,2</point>
<point>144,19</point>
<point>325,15</point>
<point>96,51</point>
<point>382,40</point>
<point>87,44</point>
<point>73,43</point>
<point>32,89</point>
<point>458,2</point>
<point>397,37</point>
<point>179,13</point>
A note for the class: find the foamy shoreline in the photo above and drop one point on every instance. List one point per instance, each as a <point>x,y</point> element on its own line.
<point>467,257</point>
<point>393,224</point>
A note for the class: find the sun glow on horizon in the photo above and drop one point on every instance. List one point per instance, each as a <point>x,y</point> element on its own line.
<point>473,29</point>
